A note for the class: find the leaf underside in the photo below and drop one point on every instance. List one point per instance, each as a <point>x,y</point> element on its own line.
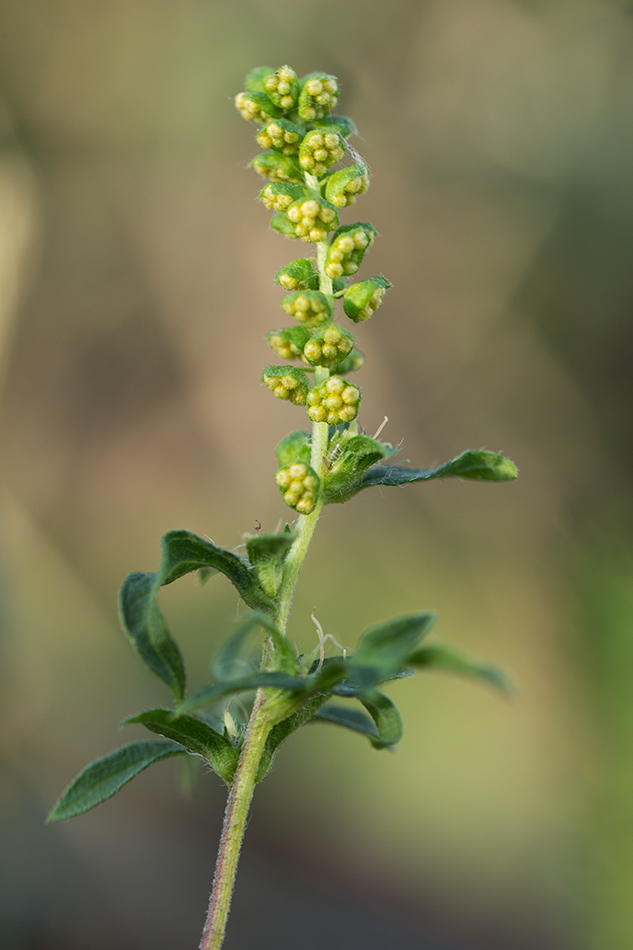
<point>103,778</point>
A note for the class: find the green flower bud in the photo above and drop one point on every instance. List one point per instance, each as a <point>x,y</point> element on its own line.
<point>334,401</point>
<point>279,195</point>
<point>347,248</point>
<point>286,382</point>
<point>254,82</point>
<point>255,106</point>
<point>312,218</point>
<point>361,299</point>
<point>299,485</point>
<point>308,306</point>
<point>282,135</point>
<point>350,364</point>
<point>343,186</point>
<point>283,88</point>
<point>339,122</point>
<point>318,96</point>
<point>328,346</point>
<point>289,341</point>
<point>319,149</point>
<point>294,447</point>
<point>278,167</point>
<point>298,275</point>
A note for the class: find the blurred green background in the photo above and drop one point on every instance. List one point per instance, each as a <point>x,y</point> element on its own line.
<point>135,291</point>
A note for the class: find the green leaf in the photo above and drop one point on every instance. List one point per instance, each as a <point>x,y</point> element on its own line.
<point>447,659</point>
<point>349,718</point>
<point>386,718</point>
<point>344,475</point>
<point>267,554</point>
<point>103,778</point>
<point>478,465</point>
<point>242,684</point>
<point>144,623</point>
<point>230,654</point>
<point>195,736</point>
<point>384,648</point>
<point>184,552</point>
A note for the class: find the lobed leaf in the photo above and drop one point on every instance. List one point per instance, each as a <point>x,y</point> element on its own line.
<point>103,778</point>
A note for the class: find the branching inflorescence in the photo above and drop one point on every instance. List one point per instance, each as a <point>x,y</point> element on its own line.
<point>306,188</point>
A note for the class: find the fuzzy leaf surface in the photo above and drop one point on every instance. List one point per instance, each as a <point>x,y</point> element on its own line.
<point>103,778</point>
<point>144,623</point>
<point>197,737</point>
<point>210,694</point>
<point>386,718</point>
<point>184,552</point>
<point>231,653</point>
<point>349,718</point>
<point>384,648</point>
<point>473,464</point>
<point>447,659</point>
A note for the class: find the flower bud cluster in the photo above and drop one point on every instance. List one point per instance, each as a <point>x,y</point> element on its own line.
<point>281,135</point>
<point>312,218</point>
<point>328,347</point>
<point>334,401</point>
<point>299,486</point>
<point>279,195</point>
<point>288,383</point>
<point>305,191</point>
<point>308,306</point>
<point>298,275</point>
<point>319,150</point>
<point>347,249</point>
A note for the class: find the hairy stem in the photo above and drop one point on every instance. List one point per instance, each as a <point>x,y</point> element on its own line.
<point>234,826</point>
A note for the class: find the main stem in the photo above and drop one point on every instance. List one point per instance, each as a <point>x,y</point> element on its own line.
<point>259,724</point>
<point>234,826</point>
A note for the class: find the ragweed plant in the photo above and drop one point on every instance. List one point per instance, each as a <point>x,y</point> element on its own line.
<point>306,188</point>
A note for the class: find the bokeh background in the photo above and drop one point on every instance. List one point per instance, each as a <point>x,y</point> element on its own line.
<point>135,291</point>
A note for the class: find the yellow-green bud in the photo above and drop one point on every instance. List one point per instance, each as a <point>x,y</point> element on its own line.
<point>343,186</point>
<point>328,346</point>
<point>278,167</point>
<point>312,218</point>
<point>299,486</point>
<point>286,382</point>
<point>288,342</point>
<point>361,299</point>
<point>318,96</point>
<point>334,401</point>
<point>310,307</point>
<point>298,275</point>
<point>281,135</point>
<point>283,88</point>
<point>347,248</point>
<point>255,106</point>
<point>319,149</point>
<point>279,195</point>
